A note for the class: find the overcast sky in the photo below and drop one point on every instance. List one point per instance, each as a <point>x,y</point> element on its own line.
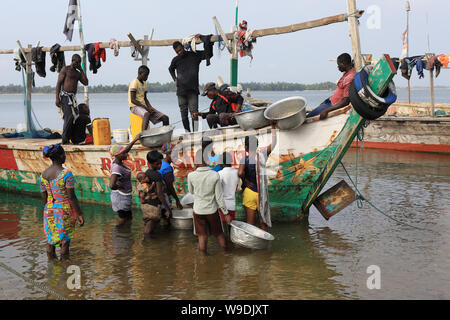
<point>302,56</point>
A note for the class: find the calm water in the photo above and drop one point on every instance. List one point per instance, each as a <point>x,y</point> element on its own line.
<point>314,259</point>
<point>115,105</point>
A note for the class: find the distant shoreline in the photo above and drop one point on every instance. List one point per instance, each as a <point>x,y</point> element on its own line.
<point>171,87</point>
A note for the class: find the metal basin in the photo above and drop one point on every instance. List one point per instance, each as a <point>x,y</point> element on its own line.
<point>182,219</point>
<point>289,113</point>
<point>249,236</point>
<point>157,136</point>
<point>252,119</point>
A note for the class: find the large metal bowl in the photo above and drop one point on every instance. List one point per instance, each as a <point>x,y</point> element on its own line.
<point>249,236</point>
<point>289,113</point>
<point>182,219</point>
<point>252,119</point>
<point>156,137</point>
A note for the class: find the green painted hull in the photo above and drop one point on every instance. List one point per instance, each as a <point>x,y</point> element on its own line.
<point>296,180</point>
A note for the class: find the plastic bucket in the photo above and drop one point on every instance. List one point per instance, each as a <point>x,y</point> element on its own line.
<point>120,135</point>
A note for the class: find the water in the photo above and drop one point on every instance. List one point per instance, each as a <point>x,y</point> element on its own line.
<point>314,259</point>
<point>115,105</point>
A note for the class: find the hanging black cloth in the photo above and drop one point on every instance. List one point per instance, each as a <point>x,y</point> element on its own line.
<point>207,47</point>
<point>38,57</point>
<point>58,59</point>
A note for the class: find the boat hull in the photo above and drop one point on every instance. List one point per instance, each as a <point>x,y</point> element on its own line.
<point>297,169</point>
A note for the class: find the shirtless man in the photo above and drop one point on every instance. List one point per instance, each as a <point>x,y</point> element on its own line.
<point>66,90</point>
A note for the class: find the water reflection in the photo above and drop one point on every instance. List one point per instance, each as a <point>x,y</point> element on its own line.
<point>313,259</point>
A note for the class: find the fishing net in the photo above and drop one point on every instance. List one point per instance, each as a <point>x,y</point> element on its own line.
<point>34,128</point>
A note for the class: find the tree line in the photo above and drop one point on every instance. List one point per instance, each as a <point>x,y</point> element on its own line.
<point>171,87</point>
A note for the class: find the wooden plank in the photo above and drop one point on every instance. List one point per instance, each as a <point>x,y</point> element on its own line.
<point>136,44</point>
<point>354,33</point>
<point>222,34</point>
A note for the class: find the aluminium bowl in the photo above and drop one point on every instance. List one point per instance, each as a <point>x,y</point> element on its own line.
<point>182,219</point>
<point>252,119</point>
<point>249,236</point>
<point>289,113</point>
<point>156,137</point>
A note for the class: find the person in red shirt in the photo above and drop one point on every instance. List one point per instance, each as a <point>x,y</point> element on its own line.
<point>340,98</point>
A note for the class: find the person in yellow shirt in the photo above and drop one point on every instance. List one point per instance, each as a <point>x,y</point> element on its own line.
<point>138,102</point>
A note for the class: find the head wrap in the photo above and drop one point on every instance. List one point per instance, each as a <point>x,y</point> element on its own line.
<point>51,150</point>
<point>115,149</point>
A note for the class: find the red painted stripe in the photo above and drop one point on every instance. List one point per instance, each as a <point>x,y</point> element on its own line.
<point>436,148</point>
<point>7,160</point>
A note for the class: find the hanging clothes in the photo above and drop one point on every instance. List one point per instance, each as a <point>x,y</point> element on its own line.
<point>396,63</point>
<point>207,47</point>
<point>262,185</point>
<point>189,43</point>
<point>443,58</point>
<point>57,57</point>
<point>38,57</point>
<point>420,65</point>
<point>244,40</point>
<point>114,44</point>
<point>94,55</point>
<point>408,65</point>
<point>19,59</point>
<point>434,63</point>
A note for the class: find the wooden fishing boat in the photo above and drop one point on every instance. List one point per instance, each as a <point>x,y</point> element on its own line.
<point>411,127</point>
<point>298,168</point>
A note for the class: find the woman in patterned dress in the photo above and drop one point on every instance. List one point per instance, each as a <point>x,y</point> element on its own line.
<point>61,209</point>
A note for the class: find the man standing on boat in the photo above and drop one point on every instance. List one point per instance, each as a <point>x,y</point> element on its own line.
<point>223,105</point>
<point>184,71</point>
<point>138,102</point>
<point>340,98</point>
<point>66,91</point>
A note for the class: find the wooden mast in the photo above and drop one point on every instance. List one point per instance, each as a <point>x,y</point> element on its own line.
<point>354,33</point>
<point>83,52</point>
<point>408,8</point>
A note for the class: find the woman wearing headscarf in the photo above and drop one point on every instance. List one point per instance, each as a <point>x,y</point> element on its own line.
<point>61,209</point>
<point>120,183</point>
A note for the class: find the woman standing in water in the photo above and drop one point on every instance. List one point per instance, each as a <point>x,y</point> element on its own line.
<point>61,209</point>
<point>120,182</point>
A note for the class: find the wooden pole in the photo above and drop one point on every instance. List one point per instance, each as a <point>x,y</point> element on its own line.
<point>83,52</point>
<point>432,92</point>
<point>222,34</point>
<point>408,8</point>
<point>145,56</point>
<point>234,55</point>
<point>255,34</point>
<point>354,33</point>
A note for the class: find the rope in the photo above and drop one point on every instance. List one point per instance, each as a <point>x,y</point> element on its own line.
<point>360,198</point>
<point>353,14</point>
<point>33,282</point>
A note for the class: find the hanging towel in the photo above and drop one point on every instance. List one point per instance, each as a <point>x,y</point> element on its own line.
<point>114,44</point>
<point>38,57</point>
<point>189,43</point>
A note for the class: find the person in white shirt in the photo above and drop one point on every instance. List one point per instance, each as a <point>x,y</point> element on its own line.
<point>230,180</point>
<point>204,184</point>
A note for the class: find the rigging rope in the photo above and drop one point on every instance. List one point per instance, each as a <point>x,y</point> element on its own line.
<point>360,198</point>
<point>33,282</point>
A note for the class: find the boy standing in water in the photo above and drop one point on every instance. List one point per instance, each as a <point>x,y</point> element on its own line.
<point>204,185</point>
<point>150,204</point>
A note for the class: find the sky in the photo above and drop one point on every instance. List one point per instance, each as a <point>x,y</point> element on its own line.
<point>302,57</point>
